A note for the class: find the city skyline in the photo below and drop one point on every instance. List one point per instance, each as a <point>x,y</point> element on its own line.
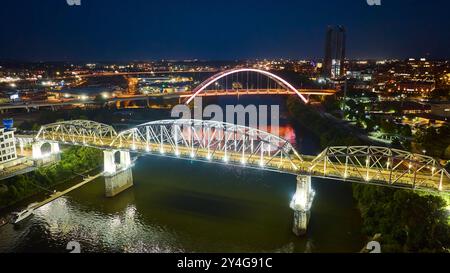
<point>238,127</point>
<point>159,30</point>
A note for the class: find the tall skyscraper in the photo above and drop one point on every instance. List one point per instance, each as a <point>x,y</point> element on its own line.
<point>334,52</point>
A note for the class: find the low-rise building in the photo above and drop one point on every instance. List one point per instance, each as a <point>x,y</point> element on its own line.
<point>416,87</point>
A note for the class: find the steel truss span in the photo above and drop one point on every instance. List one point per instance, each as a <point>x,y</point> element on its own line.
<point>78,131</point>
<point>381,165</point>
<point>212,141</point>
<point>202,87</point>
<point>225,143</point>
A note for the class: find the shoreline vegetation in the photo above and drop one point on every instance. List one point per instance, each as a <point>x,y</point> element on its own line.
<point>406,221</point>
<point>74,160</point>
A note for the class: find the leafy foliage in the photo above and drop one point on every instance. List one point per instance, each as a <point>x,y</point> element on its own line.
<point>329,133</point>
<point>73,160</point>
<point>436,141</point>
<point>408,222</point>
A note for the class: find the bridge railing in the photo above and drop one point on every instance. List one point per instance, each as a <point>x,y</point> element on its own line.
<point>239,145</point>
<point>380,164</point>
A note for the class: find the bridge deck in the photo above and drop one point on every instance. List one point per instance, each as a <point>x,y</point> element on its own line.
<point>400,178</point>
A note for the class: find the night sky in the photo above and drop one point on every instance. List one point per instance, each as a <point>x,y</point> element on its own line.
<point>101,30</point>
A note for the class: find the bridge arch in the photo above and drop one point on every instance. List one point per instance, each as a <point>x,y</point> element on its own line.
<point>78,132</point>
<point>46,148</point>
<point>223,74</point>
<point>43,149</point>
<point>211,140</point>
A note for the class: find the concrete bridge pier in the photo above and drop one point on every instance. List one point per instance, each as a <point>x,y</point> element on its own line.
<point>40,158</point>
<point>36,150</point>
<point>118,176</point>
<point>301,204</point>
<point>54,147</point>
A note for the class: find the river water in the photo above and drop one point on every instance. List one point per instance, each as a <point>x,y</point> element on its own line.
<point>186,206</point>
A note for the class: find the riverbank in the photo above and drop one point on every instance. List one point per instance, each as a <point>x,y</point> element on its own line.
<point>329,132</point>
<point>407,221</point>
<point>74,160</point>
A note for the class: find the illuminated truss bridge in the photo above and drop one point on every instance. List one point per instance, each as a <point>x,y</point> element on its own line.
<point>224,143</point>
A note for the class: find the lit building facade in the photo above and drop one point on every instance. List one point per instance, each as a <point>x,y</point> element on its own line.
<point>7,146</point>
<point>416,87</point>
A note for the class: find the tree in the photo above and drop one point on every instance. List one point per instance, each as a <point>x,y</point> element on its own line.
<point>74,159</point>
<point>408,222</point>
<point>434,140</point>
<point>447,152</point>
<point>405,131</point>
<point>331,104</point>
<point>387,127</point>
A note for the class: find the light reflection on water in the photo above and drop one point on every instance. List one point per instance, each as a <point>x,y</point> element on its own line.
<point>64,220</point>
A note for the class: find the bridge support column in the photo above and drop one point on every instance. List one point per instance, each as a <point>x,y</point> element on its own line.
<point>54,148</point>
<point>41,159</point>
<point>125,159</point>
<point>37,153</point>
<point>118,177</point>
<point>301,204</point>
<point>21,145</point>
<point>109,165</point>
<point>36,150</point>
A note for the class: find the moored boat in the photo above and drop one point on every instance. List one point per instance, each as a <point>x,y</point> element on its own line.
<point>17,217</point>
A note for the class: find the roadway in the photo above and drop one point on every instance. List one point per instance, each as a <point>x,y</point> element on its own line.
<point>401,178</point>
<point>243,92</point>
<point>39,104</point>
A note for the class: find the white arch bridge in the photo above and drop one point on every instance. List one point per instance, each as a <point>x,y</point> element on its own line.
<point>280,86</point>
<point>224,143</point>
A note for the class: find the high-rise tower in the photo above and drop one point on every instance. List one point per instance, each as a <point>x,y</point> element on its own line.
<point>334,52</point>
